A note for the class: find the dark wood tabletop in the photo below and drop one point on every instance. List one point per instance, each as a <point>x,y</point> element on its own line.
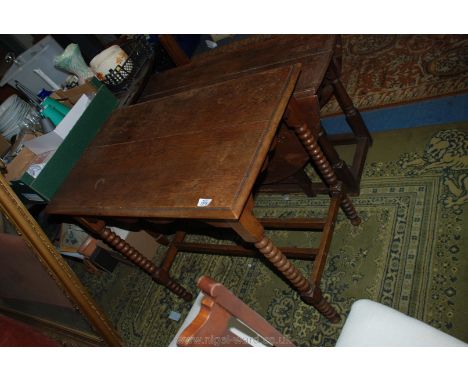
<point>162,158</point>
<point>256,53</point>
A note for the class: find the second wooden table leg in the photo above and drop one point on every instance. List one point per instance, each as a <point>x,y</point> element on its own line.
<point>161,276</point>
<point>252,231</point>
<point>294,118</point>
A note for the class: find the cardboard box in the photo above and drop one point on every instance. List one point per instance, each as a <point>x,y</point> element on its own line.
<point>142,241</point>
<point>43,187</point>
<point>4,145</point>
<point>73,236</point>
<point>71,96</point>
<point>20,164</point>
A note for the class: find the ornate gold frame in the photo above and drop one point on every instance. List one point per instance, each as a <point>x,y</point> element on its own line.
<point>52,261</point>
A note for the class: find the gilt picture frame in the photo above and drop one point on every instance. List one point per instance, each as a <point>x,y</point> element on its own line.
<point>61,273</point>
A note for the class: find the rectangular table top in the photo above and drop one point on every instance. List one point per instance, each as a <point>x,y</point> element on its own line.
<point>195,154</point>
<point>255,53</point>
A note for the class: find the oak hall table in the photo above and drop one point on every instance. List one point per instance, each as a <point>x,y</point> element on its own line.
<point>196,155</point>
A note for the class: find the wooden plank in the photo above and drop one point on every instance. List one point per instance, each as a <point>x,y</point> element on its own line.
<point>293,223</point>
<point>325,240</point>
<point>342,139</point>
<point>235,250</point>
<point>173,49</point>
<point>359,159</point>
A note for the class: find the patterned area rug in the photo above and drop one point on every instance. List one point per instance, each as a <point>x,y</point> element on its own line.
<point>407,253</point>
<point>384,70</point>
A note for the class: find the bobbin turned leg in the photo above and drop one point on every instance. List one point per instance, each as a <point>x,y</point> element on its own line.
<point>252,231</point>
<point>339,166</point>
<point>98,227</point>
<point>294,119</point>
<point>312,118</point>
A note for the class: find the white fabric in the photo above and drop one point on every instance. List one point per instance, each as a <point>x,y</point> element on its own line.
<point>190,317</point>
<point>373,324</point>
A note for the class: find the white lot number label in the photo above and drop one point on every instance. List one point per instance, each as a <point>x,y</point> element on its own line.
<point>204,202</point>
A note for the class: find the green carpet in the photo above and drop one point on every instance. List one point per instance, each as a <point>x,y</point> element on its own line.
<point>408,253</point>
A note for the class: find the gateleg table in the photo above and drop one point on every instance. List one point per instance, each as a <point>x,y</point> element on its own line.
<point>195,155</point>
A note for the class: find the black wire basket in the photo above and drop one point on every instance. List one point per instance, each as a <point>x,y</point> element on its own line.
<point>139,50</point>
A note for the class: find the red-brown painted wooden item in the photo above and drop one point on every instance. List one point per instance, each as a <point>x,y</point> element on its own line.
<point>212,325</point>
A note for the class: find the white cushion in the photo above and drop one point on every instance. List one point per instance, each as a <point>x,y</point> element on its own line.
<point>372,324</point>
